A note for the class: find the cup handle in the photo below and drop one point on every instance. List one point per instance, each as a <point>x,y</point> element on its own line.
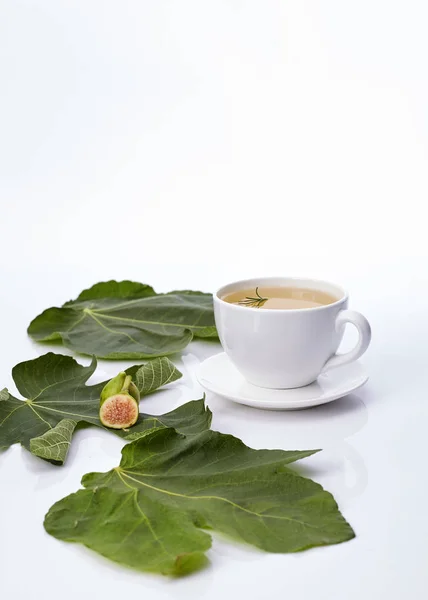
<point>363,326</point>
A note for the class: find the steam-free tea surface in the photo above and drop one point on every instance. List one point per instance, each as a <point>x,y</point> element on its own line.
<point>279,298</point>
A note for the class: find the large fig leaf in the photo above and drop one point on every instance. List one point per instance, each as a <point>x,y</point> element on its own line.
<point>127,320</point>
<point>150,512</point>
<point>57,399</point>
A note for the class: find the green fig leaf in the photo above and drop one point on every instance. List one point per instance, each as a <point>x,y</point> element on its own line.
<point>155,374</point>
<point>127,320</point>
<point>54,388</point>
<point>150,513</point>
<point>115,289</point>
<point>55,443</point>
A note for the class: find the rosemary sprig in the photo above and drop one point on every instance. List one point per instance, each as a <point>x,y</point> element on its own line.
<point>256,302</point>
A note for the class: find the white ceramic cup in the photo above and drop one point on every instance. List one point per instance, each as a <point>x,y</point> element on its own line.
<point>287,348</point>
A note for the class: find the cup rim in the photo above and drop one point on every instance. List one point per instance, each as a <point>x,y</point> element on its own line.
<point>308,280</point>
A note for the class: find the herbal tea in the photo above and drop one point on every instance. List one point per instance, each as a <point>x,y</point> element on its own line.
<point>279,297</point>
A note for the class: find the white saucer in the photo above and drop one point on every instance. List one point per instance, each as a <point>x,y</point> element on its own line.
<point>218,375</point>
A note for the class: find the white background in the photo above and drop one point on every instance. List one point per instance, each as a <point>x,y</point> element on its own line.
<point>188,143</point>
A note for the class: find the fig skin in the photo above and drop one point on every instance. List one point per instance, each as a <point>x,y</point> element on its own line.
<point>119,402</point>
<point>134,391</point>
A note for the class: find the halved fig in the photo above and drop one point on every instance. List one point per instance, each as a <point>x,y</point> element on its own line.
<point>119,402</point>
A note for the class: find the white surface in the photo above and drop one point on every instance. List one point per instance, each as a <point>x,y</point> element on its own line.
<point>275,348</point>
<point>188,144</point>
<point>218,375</point>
